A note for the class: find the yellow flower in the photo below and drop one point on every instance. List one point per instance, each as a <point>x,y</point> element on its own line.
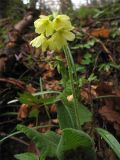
<point>40,41</point>
<point>62,22</point>
<point>59,39</point>
<point>54,30</point>
<point>56,42</point>
<point>44,25</point>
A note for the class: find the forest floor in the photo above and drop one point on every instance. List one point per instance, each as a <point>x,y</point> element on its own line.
<point>22,68</point>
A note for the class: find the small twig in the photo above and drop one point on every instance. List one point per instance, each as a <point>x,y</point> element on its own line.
<point>3,91</point>
<point>95,63</point>
<point>107,51</point>
<point>14,81</point>
<point>106,96</point>
<point>9,121</point>
<point>110,19</point>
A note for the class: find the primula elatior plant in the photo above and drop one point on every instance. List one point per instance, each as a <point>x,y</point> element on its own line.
<point>54,32</point>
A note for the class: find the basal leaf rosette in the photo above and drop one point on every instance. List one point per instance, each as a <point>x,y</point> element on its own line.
<point>54,32</point>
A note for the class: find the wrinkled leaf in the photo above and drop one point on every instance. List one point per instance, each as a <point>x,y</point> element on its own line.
<point>47,143</point>
<point>73,139</point>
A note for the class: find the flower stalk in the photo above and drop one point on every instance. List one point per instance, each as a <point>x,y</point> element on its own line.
<point>73,81</point>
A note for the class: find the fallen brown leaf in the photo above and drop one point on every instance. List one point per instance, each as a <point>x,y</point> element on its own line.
<point>101,32</point>
<point>30,88</point>
<point>109,114</point>
<point>23,112</point>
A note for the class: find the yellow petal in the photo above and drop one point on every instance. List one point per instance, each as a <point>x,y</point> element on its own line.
<point>49,29</point>
<point>45,46</point>
<point>36,42</point>
<point>56,42</point>
<point>63,17</point>
<point>69,35</point>
<point>62,21</point>
<point>44,25</point>
<point>40,26</point>
<point>40,41</point>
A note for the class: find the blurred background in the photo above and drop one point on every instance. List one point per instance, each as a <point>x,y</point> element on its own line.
<point>11,7</point>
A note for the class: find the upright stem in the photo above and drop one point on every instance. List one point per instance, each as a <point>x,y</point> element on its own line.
<point>73,81</point>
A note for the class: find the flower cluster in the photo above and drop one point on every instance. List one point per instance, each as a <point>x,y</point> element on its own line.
<point>54,32</point>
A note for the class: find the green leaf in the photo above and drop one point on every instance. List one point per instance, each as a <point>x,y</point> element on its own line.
<point>98,13</point>
<point>64,116</point>
<point>26,156</point>
<point>28,98</point>
<point>73,139</point>
<point>116,66</point>
<point>80,68</point>
<point>45,92</point>
<point>43,155</point>
<point>61,69</point>
<point>105,67</point>
<point>34,113</point>
<point>87,45</point>
<point>92,77</point>
<point>87,59</point>
<point>50,100</point>
<point>82,81</point>
<point>77,46</point>
<point>85,114</point>
<point>111,140</point>
<point>85,11</point>
<point>47,143</point>
<point>67,117</point>
<point>32,99</point>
